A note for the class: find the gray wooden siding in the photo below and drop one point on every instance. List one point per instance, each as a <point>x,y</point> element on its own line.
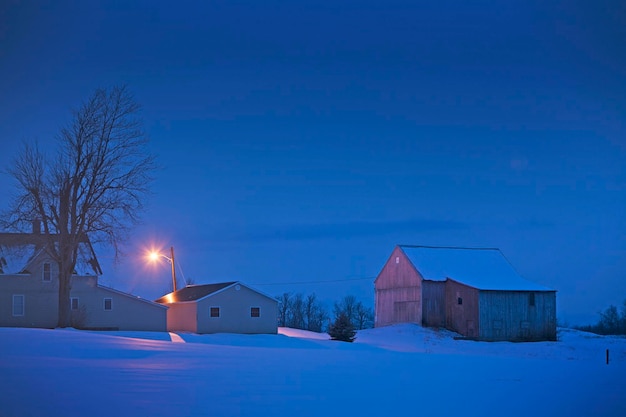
<point>462,318</point>
<point>433,307</point>
<point>41,300</point>
<point>508,315</point>
<point>127,312</point>
<point>235,312</point>
<point>398,292</point>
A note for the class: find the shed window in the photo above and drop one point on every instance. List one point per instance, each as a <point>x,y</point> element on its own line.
<point>459,301</point>
<point>108,304</point>
<point>47,272</point>
<point>214,312</point>
<point>18,305</point>
<point>255,311</point>
<point>74,303</point>
<point>531,299</point>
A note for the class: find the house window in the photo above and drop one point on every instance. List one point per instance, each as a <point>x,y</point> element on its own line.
<point>74,303</point>
<point>18,305</point>
<point>214,312</point>
<point>108,304</point>
<point>47,272</point>
<point>459,301</point>
<point>255,311</point>
<point>531,299</point>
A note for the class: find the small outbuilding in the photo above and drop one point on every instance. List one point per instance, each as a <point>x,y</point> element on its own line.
<point>473,291</point>
<point>228,307</point>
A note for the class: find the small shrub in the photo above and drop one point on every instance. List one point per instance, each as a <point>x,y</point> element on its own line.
<point>342,329</point>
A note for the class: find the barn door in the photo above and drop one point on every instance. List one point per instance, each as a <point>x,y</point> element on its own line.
<point>405,311</point>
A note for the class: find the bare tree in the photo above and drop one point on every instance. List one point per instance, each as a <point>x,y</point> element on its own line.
<point>315,314</point>
<point>360,316</point>
<point>363,317</point>
<point>346,305</point>
<point>93,188</point>
<point>284,306</point>
<point>297,312</point>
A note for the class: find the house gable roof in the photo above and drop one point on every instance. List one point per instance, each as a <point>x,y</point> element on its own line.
<point>481,268</point>
<point>18,250</point>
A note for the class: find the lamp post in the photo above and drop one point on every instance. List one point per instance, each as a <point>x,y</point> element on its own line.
<point>173,269</point>
<point>155,255</point>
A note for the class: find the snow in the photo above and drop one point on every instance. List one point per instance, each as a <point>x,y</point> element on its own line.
<point>392,370</point>
<point>484,269</point>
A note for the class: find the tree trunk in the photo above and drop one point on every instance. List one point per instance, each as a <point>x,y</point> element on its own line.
<point>65,312</point>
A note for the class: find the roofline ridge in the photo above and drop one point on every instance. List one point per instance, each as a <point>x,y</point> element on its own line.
<point>447,247</point>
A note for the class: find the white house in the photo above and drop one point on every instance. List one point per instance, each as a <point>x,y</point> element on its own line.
<point>228,307</point>
<point>29,288</point>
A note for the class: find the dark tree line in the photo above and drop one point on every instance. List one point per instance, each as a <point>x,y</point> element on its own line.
<point>306,312</point>
<point>611,321</point>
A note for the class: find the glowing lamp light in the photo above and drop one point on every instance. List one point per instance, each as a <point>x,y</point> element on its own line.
<point>154,256</point>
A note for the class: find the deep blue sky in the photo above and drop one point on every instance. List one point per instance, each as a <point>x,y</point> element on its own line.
<point>300,141</point>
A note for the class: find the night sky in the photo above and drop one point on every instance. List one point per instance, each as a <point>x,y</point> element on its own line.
<point>299,142</point>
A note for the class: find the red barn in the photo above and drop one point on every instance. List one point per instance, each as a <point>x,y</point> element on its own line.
<point>472,291</point>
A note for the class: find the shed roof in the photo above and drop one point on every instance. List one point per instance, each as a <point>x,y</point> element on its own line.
<point>481,268</point>
<point>193,292</point>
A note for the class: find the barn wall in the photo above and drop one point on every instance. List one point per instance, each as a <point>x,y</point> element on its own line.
<point>398,292</point>
<point>433,307</point>
<point>462,318</point>
<point>510,315</point>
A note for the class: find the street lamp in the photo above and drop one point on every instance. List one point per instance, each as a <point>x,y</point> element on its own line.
<point>156,255</point>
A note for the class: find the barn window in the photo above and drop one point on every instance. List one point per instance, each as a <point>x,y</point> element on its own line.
<point>397,259</point>
<point>47,272</point>
<point>255,311</point>
<point>18,305</point>
<point>74,303</point>
<point>531,299</point>
<point>459,301</point>
<point>214,312</point>
<point>108,304</point>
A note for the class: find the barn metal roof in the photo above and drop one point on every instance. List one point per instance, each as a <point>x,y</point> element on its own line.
<point>481,268</point>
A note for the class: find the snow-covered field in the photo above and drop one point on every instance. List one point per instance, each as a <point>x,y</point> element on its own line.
<point>399,370</point>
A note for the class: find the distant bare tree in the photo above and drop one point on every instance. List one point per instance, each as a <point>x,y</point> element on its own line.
<point>300,312</point>
<point>94,187</point>
<point>315,315</point>
<point>346,305</point>
<point>363,317</point>
<point>360,316</point>
<point>297,312</point>
<point>284,305</point>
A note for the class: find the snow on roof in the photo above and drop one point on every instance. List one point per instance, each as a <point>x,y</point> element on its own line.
<point>481,268</point>
<point>18,250</point>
